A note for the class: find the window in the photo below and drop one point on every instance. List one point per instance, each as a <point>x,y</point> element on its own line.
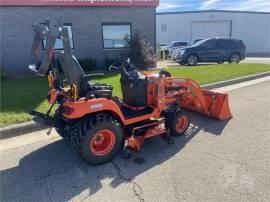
<point>230,43</point>
<point>209,44</point>
<point>177,44</point>
<point>163,27</point>
<point>239,44</point>
<point>59,43</point>
<point>116,35</point>
<point>223,43</point>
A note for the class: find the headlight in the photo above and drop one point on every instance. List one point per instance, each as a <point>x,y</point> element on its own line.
<point>181,52</point>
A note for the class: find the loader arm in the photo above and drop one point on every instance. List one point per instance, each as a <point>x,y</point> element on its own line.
<point>191,96</point>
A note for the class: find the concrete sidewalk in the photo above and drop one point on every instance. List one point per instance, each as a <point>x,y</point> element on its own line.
<point>256,60</point>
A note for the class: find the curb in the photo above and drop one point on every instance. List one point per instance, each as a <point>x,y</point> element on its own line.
<point>20,129</point>
<point>221,84</point>
<point>32,126</point>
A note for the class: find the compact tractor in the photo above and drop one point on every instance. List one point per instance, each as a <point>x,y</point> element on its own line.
<point>99,124</point>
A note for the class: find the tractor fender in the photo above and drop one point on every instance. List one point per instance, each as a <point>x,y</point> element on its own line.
<point>81,108</point>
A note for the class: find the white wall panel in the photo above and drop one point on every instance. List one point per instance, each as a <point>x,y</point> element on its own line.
<point>253,28</point>
<point>208,29</point>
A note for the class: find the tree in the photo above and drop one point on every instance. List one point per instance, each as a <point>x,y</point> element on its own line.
<point>142,54</point>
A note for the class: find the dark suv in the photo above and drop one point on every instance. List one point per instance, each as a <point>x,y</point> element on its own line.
<point>213,50</point>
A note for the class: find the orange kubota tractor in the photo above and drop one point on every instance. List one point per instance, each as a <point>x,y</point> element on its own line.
<point>98,124</point>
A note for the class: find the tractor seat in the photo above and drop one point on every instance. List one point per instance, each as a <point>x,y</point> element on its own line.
<point>95,90</point>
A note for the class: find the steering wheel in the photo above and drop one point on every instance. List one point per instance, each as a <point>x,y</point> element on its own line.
<point>130,69</point>
<point>164,73</point>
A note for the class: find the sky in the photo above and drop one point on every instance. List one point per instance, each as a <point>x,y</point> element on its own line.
<point>196,5</point>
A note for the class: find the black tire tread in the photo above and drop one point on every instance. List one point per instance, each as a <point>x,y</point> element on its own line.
<point>92,124</point>
<point>234,53</point>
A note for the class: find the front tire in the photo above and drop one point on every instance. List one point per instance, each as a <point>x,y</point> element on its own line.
<point>178,124</point>
<point>181,63</point>
<point>101,141</point>
<point>192,60</point>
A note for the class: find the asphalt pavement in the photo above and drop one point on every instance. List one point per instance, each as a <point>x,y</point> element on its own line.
<point>215,161</point>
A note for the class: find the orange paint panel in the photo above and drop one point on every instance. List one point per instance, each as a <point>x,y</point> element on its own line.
<point>53,93</point>
<point>84,107</point>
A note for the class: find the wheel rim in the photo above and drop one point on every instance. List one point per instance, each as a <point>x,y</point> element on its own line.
<point>235,58</point>
<point>102,143</point>
<point>182,124</point>
<point>192,60</point>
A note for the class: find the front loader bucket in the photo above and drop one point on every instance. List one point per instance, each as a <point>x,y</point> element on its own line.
<point>210,103</point>
<point>220,106</point>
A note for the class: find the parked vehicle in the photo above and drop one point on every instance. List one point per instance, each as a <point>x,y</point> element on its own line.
<point>194,41</point>
<point>163,45</point>
<point>213,50</point>
<point>175,46</point>
<point>176,51</point>
<point>164,49</point>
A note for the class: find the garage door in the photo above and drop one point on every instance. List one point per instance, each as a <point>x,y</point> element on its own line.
<point>208,29</point>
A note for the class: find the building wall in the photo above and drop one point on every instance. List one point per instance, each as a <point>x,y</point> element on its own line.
<point>252,28</point>
<point>17,35</point>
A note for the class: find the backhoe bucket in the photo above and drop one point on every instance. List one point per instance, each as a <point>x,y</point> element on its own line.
<point>210,103</point>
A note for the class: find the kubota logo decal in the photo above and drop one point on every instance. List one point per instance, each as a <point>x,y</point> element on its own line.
<point>96,106</point>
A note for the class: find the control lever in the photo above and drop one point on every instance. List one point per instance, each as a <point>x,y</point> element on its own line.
<point>88,76</point>
<point>113,68</point>
<point>33,68</point>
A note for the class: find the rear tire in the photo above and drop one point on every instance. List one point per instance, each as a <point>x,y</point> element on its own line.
<point>234,58</point>
<point>61,133</point>
<point>220,62</point>
<point>59,125</point>
<point>101,141</point>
